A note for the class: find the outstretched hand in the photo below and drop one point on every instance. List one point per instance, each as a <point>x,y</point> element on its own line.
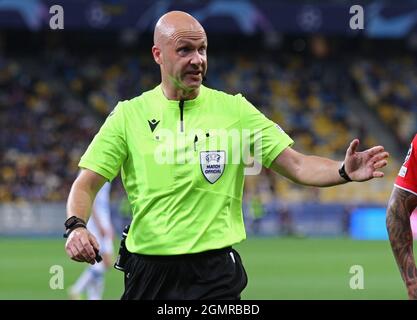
<point>364,165</point>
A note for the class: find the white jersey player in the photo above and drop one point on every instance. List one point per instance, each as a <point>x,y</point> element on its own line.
<point>91,280</point>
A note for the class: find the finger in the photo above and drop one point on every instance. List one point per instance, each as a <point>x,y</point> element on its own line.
<point>71,251</point>
<point>73,254</point>
<point>78,260</point>
<point>68,250</point>
<point>352,147</point>
<point>378,174</point>
<point>88,247</point>
<point>76,255</point>
<point>82,253</point>
<point>94,242</point>
<point>380,164</point>
<point>380,156</point>
<point>375,150</point>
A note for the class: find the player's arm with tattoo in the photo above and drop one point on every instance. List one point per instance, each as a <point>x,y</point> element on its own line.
<point>400,208</point>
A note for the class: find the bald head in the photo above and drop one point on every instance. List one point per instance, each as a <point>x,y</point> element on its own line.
<point>180,45</point>
<point>175,24</point>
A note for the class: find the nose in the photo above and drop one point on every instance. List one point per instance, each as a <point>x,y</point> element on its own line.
<point>197,59</point>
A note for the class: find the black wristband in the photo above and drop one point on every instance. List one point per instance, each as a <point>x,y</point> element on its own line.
<point>73,223</point>
<point>68,231</point>
<point>76,226</point>
<point>343,174</point>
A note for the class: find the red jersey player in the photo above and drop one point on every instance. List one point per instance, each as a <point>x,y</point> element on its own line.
<point>401,205</point>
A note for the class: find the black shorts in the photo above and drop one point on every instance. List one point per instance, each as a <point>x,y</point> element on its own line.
<point>212,275</point>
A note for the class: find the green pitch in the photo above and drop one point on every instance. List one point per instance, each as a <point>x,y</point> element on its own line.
<point>278,268</point>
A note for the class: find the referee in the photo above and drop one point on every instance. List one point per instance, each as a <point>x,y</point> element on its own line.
<point>184,178</point>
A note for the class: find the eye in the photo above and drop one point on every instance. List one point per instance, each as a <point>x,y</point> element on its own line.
<point>202,50</point>
<point>183,50</point>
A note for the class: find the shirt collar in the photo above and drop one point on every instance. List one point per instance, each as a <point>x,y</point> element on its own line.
<point>187,103</point>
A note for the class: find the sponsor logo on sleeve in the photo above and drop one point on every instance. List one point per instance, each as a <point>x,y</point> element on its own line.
<point>403,171</point>
<point>410,150</point>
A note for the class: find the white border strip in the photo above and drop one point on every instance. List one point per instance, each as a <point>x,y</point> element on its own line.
<point>405,189</point>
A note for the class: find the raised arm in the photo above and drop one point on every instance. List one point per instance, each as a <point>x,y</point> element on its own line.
<point>324,172</point>
<point>400,206</point>
<point>81,243</point>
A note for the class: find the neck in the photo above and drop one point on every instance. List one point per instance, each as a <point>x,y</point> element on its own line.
<point>172,93</point>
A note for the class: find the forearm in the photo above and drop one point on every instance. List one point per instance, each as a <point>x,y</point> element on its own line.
<point>323,172</point>
<point>400,207</point>
<point>308,170</point>
<point>319,172</point>
<point>82,194</point>
<point>79,202</point>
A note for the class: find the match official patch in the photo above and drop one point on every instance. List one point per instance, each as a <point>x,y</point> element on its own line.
<point>212,164</point>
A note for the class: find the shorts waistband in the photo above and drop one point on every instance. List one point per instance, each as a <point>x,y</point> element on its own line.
<point>207,253</point>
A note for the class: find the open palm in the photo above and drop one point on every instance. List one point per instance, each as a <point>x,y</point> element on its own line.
<point>364,165</point>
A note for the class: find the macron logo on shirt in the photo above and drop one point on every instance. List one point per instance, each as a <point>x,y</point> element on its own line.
<point>153,124</point>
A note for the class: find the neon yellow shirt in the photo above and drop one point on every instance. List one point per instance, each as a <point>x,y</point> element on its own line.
<point>184,179</point>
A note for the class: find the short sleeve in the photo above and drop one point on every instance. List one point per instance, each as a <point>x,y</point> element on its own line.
<point>107,152</point>
<point>407,176</point>
<point>267,139</point>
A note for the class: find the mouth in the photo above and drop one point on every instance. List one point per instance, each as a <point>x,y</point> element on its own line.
<point>194,73</point>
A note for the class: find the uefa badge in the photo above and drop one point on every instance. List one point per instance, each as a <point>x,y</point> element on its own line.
<point>212,164</point>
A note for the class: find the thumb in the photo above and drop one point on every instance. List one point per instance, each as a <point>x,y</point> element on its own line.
<point>352,147</point>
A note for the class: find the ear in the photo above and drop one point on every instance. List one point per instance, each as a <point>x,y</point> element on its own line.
<point>157,54</point>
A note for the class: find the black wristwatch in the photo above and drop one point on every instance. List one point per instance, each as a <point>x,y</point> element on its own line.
<point>73,223</point>
<point>343,174</point>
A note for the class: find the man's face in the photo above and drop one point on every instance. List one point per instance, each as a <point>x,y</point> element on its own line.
<point>184,58</point>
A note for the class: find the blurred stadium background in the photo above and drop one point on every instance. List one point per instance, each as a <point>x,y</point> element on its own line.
<point>297,61</point>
